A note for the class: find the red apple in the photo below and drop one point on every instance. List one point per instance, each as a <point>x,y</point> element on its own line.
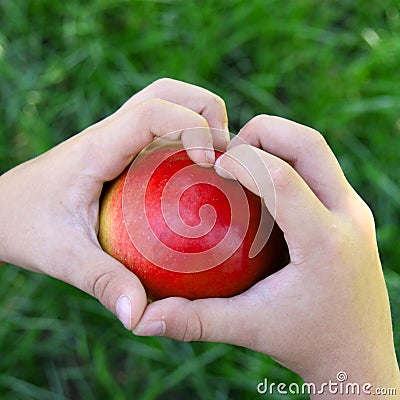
<point>185,231</point>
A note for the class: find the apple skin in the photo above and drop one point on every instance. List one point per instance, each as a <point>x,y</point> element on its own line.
<point>232,276</point>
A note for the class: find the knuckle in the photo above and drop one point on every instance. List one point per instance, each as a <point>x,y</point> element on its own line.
<point>145,109</point>
<point>282,175</point>
<point>364,219</point>
<point>218,101</point>
<point>369,218</point>
<point>99,285</point>
<point>193,331</point>
<point>258,120</point>
<point>316,139</point>
<point>161,82</point>
<point>347,235</point>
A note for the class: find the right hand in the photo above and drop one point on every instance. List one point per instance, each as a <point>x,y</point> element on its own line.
<point>327,310</point>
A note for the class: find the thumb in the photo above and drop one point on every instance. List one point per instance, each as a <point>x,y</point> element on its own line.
<point>211,319</point>
<point>118,289</point>
<point>287,196</point>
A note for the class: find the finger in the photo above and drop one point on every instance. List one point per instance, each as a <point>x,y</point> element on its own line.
<point>107,149</point>
<point>305,149</point>
<point>296,209</point>
<point>213,320</point>
<point>202,101</point>
<point>104,278</point>
<point>233,320</point>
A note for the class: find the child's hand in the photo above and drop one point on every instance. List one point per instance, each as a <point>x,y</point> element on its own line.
<point>49,205</point>
<point>328,310</point>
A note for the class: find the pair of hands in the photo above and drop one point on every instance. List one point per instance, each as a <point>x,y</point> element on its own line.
<point>326,311</point>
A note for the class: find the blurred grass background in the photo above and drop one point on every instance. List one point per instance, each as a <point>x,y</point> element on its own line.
<point>333,65</point>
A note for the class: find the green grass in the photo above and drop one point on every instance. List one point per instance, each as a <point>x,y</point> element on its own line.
<point>333,65</point>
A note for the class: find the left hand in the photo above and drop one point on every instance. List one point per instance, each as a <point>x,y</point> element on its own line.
<point>49,205</point>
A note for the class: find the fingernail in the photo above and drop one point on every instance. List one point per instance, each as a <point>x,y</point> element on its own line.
<point>124,311</point>
<point>210,156</point>
<point>152,328</point>
<point>220,170</point>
